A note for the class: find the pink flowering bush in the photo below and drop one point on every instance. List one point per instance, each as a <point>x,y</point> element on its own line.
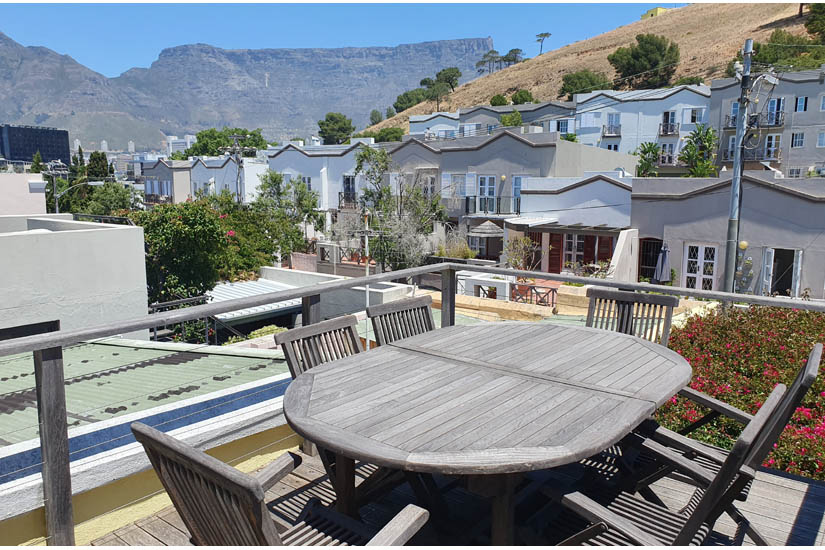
<point>738,357</point>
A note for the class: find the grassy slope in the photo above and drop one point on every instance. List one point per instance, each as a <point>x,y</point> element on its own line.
<point>708,36</point>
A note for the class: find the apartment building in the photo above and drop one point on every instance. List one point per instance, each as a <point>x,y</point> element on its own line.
<point>20,143</point>
<point>623,120</point>
<point>786,123</point>
<point>174,144</point>
<point>782,221</point>
<point>174,181</point>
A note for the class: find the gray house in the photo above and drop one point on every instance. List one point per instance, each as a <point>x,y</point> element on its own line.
<point>781,232</point>
<point>174,181</point>
<point>483,118</point>
<point>787,123</point>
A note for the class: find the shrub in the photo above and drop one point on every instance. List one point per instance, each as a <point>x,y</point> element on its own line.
<point>521,97</point>
<point>738,357</point>
<point>498,100</point>
<point>513,119</point>
<point>263,331</point>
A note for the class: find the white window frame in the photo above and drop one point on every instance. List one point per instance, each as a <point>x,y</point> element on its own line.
<point>612,146</point>
<point>671,117</point>
<point>801,143</point>
<point>518,184</point>
<point>354,181</point>
<point>458,182</point>
<point>795,172</point>
<point>479,244</point>
<point>487,185</point>
<point>574,255</point>
<point>804,108</point>
<point>734,109</point>
<point>776,141</point>
<point>820,140</point>
<point>614,119</point>
<point>822,103</point>
<point>566,126</point>
<point>308,181</point>
<point>696,115</point>
<point>700,275</point>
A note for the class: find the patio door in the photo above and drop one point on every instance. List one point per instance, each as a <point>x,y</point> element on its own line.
<point>772,146</point>
<point>486,193</point>
<point>699,266</point>
<point>776,106</point>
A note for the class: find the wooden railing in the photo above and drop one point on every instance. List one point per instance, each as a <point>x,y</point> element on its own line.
<point>539,295</point>
<point>46,342</point>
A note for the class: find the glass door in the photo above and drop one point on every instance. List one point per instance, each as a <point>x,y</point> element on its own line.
<point>486,193</point>
<point>700,266</point>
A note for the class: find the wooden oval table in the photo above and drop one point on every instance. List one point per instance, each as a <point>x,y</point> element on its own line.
<point>492,399</point>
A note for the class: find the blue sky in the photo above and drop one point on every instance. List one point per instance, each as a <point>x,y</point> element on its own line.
<point>111,38</point>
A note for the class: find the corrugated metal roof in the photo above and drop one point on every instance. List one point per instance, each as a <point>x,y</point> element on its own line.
<point>245,289</point>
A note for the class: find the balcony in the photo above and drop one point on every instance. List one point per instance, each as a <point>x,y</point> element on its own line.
<point>753,155</point>
<point>158,199</point>
<point>492,205</point>
<point>347,200</point>
<point>771,119</point>
<point>668,160</point>
<point>612,130</point>
<point>669,129</point>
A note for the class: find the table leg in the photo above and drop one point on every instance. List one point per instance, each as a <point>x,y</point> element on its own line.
<point>345,501</point>
<point>502,530</point>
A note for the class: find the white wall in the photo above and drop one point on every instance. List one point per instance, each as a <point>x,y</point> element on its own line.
<point>18,197</point>
<point>252,172</point>
<point>434,125</point>
<point>295,163</point>
<point>84,274</point>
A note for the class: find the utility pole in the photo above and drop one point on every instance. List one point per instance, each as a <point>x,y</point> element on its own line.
<point>736,181</point>
<point>237,154</point>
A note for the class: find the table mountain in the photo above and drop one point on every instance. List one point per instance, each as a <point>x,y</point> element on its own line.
<point>192,87</point>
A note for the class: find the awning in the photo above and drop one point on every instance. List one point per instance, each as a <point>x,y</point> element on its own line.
<point>486,229</point>
<point>529,222</point>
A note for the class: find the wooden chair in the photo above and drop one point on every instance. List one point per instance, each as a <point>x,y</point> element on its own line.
<point>222,506</point>
<point>647,316</point>
<point>313,345</point>
<point>401,319</point>
<point>621,518</point>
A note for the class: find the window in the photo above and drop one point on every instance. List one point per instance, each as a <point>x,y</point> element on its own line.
<point>349,186</point>
<point>696,115</point>
<point>801,104</point>
<point>734,110</point>
<point>820,139</point>
<point>479,244</point>
<point>795,172</point>
<point>797,140</point>
<point>612,146</point>
<point>700,266</point>
<point>459,184</point>
<point>669,117</point>
<point>573,249</point>
<point>667,153</point>
<point>307,181</point>
<point>517,180</point>
<point>772,145</point>
<point>428,186</point>
<point>613,119</point>
<point>562,126</point>
<point>486,193</point>
<point>822,103</point>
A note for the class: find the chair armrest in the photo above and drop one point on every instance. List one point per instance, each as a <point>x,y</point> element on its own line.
<point>594,512</point>
<point>685,444</point>
<point>276,470</point>
<point>714,404</point>
<point>402,527</point>
<point>679,462</point>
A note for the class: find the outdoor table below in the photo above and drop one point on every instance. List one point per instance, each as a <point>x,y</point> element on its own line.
<point>492,399</point>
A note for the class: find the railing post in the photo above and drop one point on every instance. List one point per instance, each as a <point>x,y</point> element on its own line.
<point>448,290</point>
<point>310,309</point>
<point>54,434</point>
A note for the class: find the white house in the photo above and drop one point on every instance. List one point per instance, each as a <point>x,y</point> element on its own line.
<point>441,124</point>
<point>623,120</point>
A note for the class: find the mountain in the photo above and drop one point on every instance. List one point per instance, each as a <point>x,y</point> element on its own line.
<point>192,87</point>
<point>709,35</point>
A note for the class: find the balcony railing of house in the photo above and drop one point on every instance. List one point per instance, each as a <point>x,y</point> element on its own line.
<point>668,160</point>
<point>759,154</point>
<point>47,340</point>
<point>611,130</point>
<point>157,199</point>
<point>533,294</point>
<point>463,132</point>
<point>668,128</point>
<point>492,205</point>
<point>771,119</point>
<point>347,201</point>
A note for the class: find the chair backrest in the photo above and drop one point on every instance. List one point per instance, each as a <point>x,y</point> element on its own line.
<point>401,319</point>
<point>805,378</point>
<point>313,345</point>
<point>219,505</point>
<point>723,490</point>
<point>647,316</point>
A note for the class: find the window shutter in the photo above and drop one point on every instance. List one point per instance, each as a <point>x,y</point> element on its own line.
<point>686,116</point>
<point>446,185</point>
<point>470,184</point>
<point>395,182</point>
<point>797,269</point>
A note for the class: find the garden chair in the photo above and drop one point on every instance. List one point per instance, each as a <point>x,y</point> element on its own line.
<point>401,319</point>
<point>312,345</point>
<point>670,450</point>
<point>618,517</point>
<point>647,316</point>
<point>222,506</point>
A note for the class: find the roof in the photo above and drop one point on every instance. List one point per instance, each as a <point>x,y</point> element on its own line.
<point>486,229</point>
<point>212,163</point>
<point>425,118</point>
<point>115,377</point>
<point>811,75</point>
<point>320,150</point>
<point>595,215</point>
<point>523,108</point>
<point>679,188</point>
<point>555,186</point>
<point>541,139</point>
<point>245,289</point>
<point>643,95</point>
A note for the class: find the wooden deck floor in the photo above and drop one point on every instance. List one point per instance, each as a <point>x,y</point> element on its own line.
<point>788,511</point>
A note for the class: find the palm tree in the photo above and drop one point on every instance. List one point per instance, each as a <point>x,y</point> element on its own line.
<point>540,38</point>
<point>648,157</point>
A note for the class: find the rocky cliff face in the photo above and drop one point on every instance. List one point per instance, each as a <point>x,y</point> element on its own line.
<point>188,88</point>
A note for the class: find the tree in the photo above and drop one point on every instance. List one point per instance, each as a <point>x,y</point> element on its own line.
<point>211,142</point>
<point>37,163</point>
<point>689,80</point>
<point>699,152</point>
<point>439,91</point>
<point>335,128</point>
<point>582,82</point>
<point>650,63</point>
<point>513,56</point>
<point>390,112</point>
<point>409,98</point>
<point>426,83</point>
<point>375,117</point>
<point>383,135</point>
<point>815,24</point>
<point>291,206</point>
<point>489,59</point>
<point>98,166</point>
<point>787,50</point>
<point>449,76</point>
<point>521,97</point>
<point>570,137</point>
<point>648,153</point>
<point>108,199</point>
<point>185,244</point>
<point>512,119</point>
<point>498,100</point>
<point>540,38</point>
<point>521,253</point>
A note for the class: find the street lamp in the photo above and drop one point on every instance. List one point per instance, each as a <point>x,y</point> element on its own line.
<point>58,195</point>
